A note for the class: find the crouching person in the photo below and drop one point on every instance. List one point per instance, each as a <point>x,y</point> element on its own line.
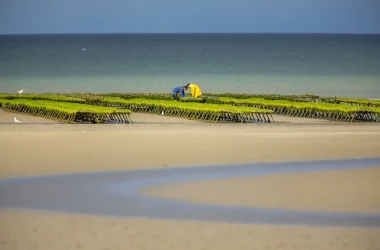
<point>178,90</point>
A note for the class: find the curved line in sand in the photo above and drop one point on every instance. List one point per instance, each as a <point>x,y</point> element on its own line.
<point>117,193</point>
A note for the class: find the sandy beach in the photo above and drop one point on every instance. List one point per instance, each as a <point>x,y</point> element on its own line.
<point>163,142</point>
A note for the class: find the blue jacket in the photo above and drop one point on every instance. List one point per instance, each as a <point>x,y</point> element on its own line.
<point>180,90</point>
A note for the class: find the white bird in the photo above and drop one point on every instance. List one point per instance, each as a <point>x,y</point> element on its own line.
<point>16,121</point>
<point>19,92</point>
<point>162,113</point>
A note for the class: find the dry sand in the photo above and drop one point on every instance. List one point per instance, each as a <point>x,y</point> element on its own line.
<point>7,117</point>
<point>346,191</point>
<point>44,231</point>
<point>41,149</point>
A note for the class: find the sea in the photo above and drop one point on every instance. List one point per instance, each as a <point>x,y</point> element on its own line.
<point>322,64</point>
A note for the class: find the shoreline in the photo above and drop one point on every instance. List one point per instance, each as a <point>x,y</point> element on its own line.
<point>93,190</point>
<point>282,190</point>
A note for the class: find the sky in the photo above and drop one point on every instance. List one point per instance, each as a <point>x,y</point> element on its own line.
<point>183,16</point>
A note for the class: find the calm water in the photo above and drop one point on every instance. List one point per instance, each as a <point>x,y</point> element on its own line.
<point>344,65</point>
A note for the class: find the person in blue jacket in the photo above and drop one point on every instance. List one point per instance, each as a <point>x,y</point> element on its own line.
<point>178,90</point>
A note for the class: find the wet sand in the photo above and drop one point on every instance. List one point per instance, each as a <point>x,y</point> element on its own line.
<point>344,191</point>
<point>44,149</point>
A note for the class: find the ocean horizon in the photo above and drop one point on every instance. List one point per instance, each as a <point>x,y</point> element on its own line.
<point>263,63</point>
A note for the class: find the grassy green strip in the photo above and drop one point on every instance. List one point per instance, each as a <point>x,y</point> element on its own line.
<point>151,96</point>
<point>298,98</point>
<point>328,111</point>
<point>66,107</point>
<point>49,97</point>
<point>362,102</point>
<point>81,97</point>
<point>65,111</point>
<point>197,111</point>
<point>168,96</point>
<point>192,99</point>
<point>189,106</point>
<point>299,105</point>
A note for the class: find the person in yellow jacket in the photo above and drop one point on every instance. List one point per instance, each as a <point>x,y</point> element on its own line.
<point>195,90</point>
